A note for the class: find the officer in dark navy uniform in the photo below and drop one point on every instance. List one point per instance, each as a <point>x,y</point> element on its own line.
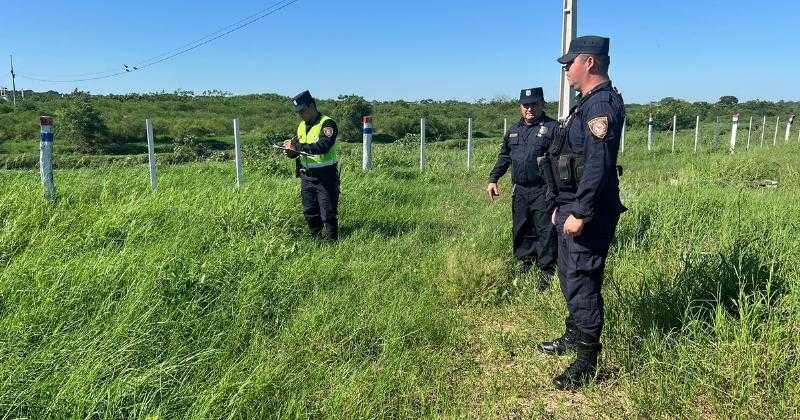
<point>534,238</point>
<point>316,166</point>
<point>585,177</point>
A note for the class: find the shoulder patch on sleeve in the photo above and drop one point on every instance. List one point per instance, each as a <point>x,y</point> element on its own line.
<point>599,127</point>
<point>327,131</point>
<point>513,135</point>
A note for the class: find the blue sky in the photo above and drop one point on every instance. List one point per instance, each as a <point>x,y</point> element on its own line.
<point>413,49</point>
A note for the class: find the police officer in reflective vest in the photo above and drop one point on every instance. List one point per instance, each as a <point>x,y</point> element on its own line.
<point>585,176</point>
<point>316,166</point>
<point>534,237</point>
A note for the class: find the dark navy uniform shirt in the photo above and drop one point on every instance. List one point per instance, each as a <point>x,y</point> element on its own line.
<point>521,146</point>
<point>595,126</point>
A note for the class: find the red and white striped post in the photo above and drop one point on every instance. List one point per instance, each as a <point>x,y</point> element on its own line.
<point>46,157</point>
<point>366,151</point>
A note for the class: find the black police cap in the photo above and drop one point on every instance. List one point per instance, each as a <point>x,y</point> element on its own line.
<point>531,96</point>
<point>595,45</point>
<point>302,101</point>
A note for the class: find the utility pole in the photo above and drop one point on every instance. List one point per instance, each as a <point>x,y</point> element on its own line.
<point>13,82</point>
<point>569,29</point>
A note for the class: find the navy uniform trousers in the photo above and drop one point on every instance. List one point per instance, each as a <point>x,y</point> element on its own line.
<point>534,235</point>
<point>320,195</point>
<point>581,263</point>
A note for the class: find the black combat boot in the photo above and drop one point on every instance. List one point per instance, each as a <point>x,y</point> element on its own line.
<point>563,344</point>
<point>527,266</point>
<point>582,370</point>
<point>545,278</point>
<point>330,233</point>
<point>315,231</point>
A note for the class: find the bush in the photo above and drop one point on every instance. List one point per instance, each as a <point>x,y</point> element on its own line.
<point>349,112</point>
<point>188,148</point>
<point>79,122</point>
<point>185,129</point>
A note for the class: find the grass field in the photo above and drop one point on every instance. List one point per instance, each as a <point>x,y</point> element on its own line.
<point>200,300</point>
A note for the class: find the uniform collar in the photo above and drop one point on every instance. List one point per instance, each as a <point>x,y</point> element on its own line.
<point>315,121</point>
<point>538,120</point>
<point>602,86</point>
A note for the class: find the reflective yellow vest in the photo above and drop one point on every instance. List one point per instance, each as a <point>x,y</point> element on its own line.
<point>311,137</point>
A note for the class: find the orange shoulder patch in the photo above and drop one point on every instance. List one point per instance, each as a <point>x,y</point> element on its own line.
<point>599,127</point>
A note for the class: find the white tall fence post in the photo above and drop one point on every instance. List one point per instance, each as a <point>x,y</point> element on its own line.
<point>569,30</point>
<point>789,127</point>
<point>674,130</point>
<point>423,158</point>
<point>716,135</point>
<point>469,144</point>
<point>763,130</point>
<point>749,132</point>
<point>505,126</point>
<point>650,133</point>
<point>46,157</point>
<point>151,153</point>
<point>622,139</point>
<point>366,149</point>
<point>775,138</point>
<point>696,133</point>
<point>734,130</point>
<point>237,146</point>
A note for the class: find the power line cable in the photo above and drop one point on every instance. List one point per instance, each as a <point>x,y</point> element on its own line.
<point>227,30</point>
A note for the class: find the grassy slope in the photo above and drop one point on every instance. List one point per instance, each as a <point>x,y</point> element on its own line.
<point>205,301</point>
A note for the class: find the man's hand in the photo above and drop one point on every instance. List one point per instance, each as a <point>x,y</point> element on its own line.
<point>573,226</point>
<point>290,148</point>
<point>290,144</point>
<point>492,190</point>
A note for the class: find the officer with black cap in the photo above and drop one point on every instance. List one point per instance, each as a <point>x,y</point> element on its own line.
<point>534,237</point>
<point>583,159</point>
<point>316,166</point>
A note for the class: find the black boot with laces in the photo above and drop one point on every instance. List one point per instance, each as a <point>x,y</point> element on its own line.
<point>582,370</point>
<point>563,344</point>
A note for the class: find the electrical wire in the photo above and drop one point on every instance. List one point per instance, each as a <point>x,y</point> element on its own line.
<point>168,55</point>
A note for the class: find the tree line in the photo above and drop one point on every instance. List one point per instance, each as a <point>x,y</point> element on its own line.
<point>93,123</point>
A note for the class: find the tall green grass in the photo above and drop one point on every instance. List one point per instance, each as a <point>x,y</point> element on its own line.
<point>200,300</point>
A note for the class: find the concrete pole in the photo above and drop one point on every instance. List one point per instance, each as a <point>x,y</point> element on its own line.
<point>46,157</point>
<point>696,133</point>
<point>734,130</point>
<point>13,82</point>
<point>749,132</point>
<point>151,153</point>
<point>568,30</point>
<point>469,144</point>
<point>789,128</point>
<point>763,130</point>
<point>237,145</point>
<point>622,138</point>
<point>650,133</point>
<point>775,138</point>
<point>716,135</point>
<point>423,158</point>
<point>505,126</point>
<point>366,149</point>
<point>674,130</point>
